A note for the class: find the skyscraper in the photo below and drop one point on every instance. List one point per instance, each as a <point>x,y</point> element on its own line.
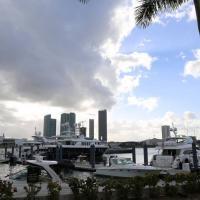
<point>165,131</point>
<point>49,128</point>
<point>91,128</point>
<point>67,124</point>
<point>102,117</point>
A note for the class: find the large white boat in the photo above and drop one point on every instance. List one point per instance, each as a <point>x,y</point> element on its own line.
<point>54,148</point>
<point>124,167</point>
<point>175,152</point>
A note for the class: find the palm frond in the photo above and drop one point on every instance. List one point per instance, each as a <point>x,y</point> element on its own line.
<point>84,1</point>
<point>150,8</point>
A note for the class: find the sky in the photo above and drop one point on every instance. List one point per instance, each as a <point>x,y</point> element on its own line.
<point>63,56</point>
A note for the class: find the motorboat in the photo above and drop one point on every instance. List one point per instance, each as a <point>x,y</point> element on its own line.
<point>176,153</point>
<point>124,167</point>
<point>46,174</point>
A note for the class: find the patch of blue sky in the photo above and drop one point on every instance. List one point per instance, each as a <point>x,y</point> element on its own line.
<point>174,36</point>
<point>165,80</point>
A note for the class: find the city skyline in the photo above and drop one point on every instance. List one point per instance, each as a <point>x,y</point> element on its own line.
<point>61,56</point>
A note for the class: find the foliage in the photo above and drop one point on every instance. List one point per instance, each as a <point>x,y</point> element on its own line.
<point>122,189</point>
<point>54,190</point>
<point>84,189</point>
<point>108,188</point>
<point>136,186</point>
<point>151,181</point>
<point>6,190</point>
<point>32,190</point>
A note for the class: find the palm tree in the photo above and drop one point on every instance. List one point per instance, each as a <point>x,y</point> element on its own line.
<point>150,8</point>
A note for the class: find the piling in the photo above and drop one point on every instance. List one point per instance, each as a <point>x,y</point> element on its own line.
<point>31,152</point>
<point>194,154</point>
<point>57,152</point>
<point>133,154</point>
<point>145,154</point>
<point>61,153</point>
<point>38,149</point>
<point>20,151</point>
<point>6,149</point>
<point>13,149</point>
<point>92,156</point>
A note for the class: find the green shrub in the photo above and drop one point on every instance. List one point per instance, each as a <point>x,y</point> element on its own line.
<point>108,188</point>
<point>54,190</point>
<point>151,181</point>
<point>171,190</point>
<point>32,190</point>
<point>136,186</point>
<point>84,189</point>
<point>6,190</point>
<point>89,189</point>
<point>122,189</point>
<point>75,185</point>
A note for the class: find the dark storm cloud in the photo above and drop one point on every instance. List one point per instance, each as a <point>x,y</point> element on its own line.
<point>49,51</point>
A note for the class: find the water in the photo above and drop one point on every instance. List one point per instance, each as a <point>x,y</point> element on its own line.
<point>5,169</point>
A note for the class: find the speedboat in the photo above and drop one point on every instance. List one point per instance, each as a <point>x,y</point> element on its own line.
<point>41,179</point>
<point>124,167</point>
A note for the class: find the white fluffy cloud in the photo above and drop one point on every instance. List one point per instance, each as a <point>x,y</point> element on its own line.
<point>128,83</point>
<point>64,56</point>
<point>129,62</point>
<point>149,103</point>
<point>52,51</point>
<point>187,124</point>
<point>192,67</point>
<point>186,10</point>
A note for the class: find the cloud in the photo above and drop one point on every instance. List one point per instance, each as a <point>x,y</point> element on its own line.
<point>128,83</point>
<point>137,130</point>
<point>63,56</point>
<point>186,11</point>
<point>192,67</point>
<point>149,103</point>
<point>126,63</point>
<point>52,51</point>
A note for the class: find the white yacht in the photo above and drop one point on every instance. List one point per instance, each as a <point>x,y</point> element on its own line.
<point>63,147</point>
<point>124,167</point>
<point>175,152</point>
<point>46,174</point>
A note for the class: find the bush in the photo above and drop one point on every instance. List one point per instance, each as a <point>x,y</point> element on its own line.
<point>75,185</point>
<point>32,190</point>
<point>108,188</point>
<point>84,189</point>
<point>6,190</point>
<point>151,181</point>
<point>136,186</point>
<point>54,190</point>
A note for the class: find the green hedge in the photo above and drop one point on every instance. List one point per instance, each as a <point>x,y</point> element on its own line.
<point>150,186</point>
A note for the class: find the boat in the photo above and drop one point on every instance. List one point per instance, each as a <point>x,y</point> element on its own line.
<point>53,148</point>
<point>176,153</point>
<point>40,172</point>
<point>124,168</point>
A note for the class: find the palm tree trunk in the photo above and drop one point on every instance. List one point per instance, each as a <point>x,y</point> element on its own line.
<point>197,8</point>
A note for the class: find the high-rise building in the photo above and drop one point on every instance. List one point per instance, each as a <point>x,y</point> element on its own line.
<point>91,128</point>
<point>67,124</point>
<point>102,117</point>
<point>49,128</point>
<point>83,131</point>
<point>165,131</point>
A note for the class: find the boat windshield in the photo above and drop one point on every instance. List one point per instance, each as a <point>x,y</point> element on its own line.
<point>122,161</point>
<point>22,175</point>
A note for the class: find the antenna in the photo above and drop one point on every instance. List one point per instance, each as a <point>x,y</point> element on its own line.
<point>174,129</point>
